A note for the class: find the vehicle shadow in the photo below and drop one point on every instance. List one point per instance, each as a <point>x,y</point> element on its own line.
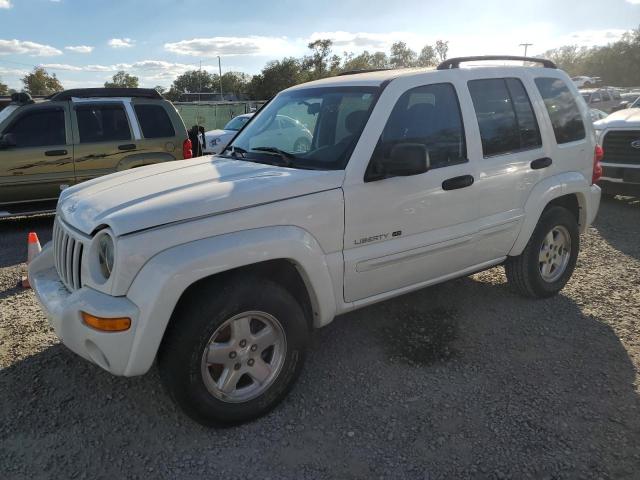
<point>13,237</point>
<point>618,222</point>
<point>460,380</point>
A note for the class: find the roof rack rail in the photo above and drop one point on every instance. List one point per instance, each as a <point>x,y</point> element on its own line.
<point>365,70</point>
<point>105,93</point>
<point>455,62</point>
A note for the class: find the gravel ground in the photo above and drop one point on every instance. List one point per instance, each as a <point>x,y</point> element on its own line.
<point>461,380</point>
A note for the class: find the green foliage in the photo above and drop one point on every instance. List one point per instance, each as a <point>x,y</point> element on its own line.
<point>616,64</point>
<point>201,81</point>
<point>4,89</point>
<point>122,79</point>
<point>39,82</point>
<point>442,49</point>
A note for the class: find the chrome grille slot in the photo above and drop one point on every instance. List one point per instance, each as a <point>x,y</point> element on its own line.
<point>67,252</point>
<point>618,147</point>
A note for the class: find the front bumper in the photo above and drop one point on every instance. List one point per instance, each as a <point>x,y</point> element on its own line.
<point>620,179</point>
<point>63,308</point>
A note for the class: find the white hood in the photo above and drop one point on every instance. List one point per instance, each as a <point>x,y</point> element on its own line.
<point>218,133</point>
<point>628,117</point>
<point>167,192</point>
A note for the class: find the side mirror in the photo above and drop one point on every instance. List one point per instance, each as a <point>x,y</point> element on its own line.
<point>8,140</point>
<point>407,159</point>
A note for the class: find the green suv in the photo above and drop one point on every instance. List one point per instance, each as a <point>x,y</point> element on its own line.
<point>80,134</point>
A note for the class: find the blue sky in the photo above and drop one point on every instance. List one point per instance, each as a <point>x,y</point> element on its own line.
<point>85,41</point>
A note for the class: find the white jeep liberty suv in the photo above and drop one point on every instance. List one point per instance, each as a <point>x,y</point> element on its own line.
<point>219,267</point>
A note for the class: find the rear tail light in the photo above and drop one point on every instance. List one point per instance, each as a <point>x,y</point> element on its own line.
<point>598,154</point>
<point>186,149</point>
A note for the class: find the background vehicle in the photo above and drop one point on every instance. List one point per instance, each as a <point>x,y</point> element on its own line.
<point>289,134</point>
<point>629,98</point>
<point>216,140</point>
<point>221,267</point>
<point>585,82</point>
<point>619,134</point>
<point>635,104</point>
<point>596,114</point>
<point>77,135</point>
<point>607,100</point>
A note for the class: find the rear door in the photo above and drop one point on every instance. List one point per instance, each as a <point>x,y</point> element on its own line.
<point>103,136</point>
<point>510,161</point>
<point>159,140</point>
<point>41,163</point>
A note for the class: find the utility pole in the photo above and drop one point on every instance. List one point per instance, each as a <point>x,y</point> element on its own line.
<point>220,77</point>
<point>526,46</point>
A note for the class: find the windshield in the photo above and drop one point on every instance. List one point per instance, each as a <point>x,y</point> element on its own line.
<point>308,128</point>
<point>4,113</point>
<point>236,123</point>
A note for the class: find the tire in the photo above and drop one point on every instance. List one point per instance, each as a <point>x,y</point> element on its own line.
<point>302,145</point>
<point>527,272</point>
<point>193,381</point>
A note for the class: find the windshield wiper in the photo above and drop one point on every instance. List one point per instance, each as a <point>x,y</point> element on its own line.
<point>285,156</point>
<point>235,151</point>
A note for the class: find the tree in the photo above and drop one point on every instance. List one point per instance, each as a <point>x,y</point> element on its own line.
<point>320,62</point>
<point>122,79</point>
<point>365,61</point>
<point>39,82</point>
<point>442,48</point>
<point>4,89</point>
<point>275,76</point>
<point>402,56</point>
<point>160,89</point>
<point>194,81</point>
<point>427,57</point>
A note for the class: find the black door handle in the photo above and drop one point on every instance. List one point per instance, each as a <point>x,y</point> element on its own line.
<point>541,163</point>
<point>457,182</point>
<point>128,146</point>
<point>55,153</point>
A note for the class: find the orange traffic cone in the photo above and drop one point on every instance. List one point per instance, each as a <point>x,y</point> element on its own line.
<point>33,249</point>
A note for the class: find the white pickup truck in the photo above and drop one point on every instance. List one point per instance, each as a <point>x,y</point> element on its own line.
<point>619,133</point>
<point>220,267</point>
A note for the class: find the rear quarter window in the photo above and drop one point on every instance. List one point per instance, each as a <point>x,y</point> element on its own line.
<point>154,121</point>
<point>562,108</point>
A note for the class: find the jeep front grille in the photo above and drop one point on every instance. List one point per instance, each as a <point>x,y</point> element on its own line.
<point>67,254</point>
<point>618,149</point>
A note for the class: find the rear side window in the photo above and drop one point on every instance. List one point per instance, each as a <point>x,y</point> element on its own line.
<point>505,117</point>
<point>429,115</point>
<point>563,110</point>
<point>154,121</point>
<point>40,128</point>
<point>102,123</point>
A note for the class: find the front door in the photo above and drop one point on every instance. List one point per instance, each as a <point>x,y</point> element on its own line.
<point>104,138</point>
<point>41,162</point>
<point>406,230</point>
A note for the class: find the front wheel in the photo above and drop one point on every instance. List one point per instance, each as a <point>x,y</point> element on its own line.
<point>234,350</point>
<point>547,262</point>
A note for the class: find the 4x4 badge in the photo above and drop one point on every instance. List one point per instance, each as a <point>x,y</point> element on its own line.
<point>636,143</point>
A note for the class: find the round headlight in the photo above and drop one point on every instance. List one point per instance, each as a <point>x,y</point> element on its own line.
<point>105,255</point>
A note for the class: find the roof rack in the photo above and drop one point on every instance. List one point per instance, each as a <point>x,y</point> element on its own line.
<point>106,93</point>
<point>366,70</point>
<point>455,62</point>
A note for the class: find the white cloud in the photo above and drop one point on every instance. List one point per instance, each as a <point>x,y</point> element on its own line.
<point>120,43</point>
<point>589,38</point>
<point>13,71</point>
<point>5,4</point>
<point>19,47</point>
<point>80,49</point>
<point>62,66</point>
<point>229,46</point>
<point>358,41</point>
<point>634,2</point>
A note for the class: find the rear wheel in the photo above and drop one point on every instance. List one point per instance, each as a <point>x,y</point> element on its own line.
<point>547,262</point>
<point>233,356</point>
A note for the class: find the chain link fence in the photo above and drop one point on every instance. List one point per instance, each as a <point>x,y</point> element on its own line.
<point>215,114</point>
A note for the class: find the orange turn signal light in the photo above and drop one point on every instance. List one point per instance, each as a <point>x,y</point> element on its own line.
<point>106,324</point>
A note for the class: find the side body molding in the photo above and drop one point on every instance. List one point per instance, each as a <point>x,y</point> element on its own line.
<point>547,190</point>
<point>159,285</point>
